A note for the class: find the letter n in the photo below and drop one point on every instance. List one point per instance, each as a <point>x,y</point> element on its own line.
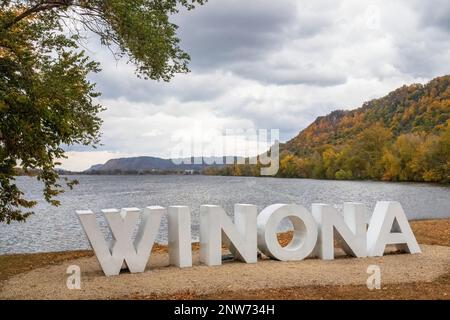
<point>217,228</point>
<point>350,229</point>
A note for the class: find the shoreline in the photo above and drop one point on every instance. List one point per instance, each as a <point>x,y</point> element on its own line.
<point>428,232</point>
<point>77,174</point>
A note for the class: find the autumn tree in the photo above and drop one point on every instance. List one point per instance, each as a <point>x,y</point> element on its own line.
<point>46,99</point>
<point>289,167</point>
<point>433,157</point>
<point>366,151</point>
<point>398,159</point>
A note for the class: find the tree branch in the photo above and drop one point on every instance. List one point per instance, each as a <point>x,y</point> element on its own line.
<point>39,7</point>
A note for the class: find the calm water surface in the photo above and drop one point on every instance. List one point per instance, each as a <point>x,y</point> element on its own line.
<point>58,229</point>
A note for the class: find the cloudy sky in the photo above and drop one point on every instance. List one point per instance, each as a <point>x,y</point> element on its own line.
<point>264,64</point>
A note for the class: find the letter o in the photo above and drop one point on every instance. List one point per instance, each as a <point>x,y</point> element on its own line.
<point>305,232</point>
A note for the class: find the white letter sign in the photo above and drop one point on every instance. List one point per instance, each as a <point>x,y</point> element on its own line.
<point>389,225</point>
<point>313,233</point>
<point>216,228</point>
<point>351,229</point>
<point>305,232</point>
<point>123,250</point>
<point>179,225</point>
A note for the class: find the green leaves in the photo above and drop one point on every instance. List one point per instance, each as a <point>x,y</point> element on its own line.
<point>138,30</point>
<point>46,100</point>
<point>141,30</point>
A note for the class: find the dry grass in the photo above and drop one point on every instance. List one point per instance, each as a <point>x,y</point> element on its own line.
<point>13,264</point>
<point>433,232</point>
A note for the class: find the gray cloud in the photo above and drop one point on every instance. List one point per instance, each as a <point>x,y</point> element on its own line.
<point>272,64</point>
<point>434,14</point>
<point>222,32</point>
<point>183,88</point>
<point>240,36</point>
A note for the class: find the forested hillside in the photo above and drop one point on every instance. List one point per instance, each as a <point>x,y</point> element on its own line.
<point>404,136</point>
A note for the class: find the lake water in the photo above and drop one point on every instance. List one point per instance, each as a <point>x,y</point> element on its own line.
<point>58,229</point>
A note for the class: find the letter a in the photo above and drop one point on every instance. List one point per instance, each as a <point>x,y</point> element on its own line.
<point>389,225</point>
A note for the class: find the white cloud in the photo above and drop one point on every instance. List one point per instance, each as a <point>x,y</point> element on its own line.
<point>265,64</point>
<point>79,161</point>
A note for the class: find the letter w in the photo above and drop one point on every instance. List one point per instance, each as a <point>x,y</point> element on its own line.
<point>123,250</point>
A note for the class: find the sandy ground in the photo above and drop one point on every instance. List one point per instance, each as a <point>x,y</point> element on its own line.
<point>50,282</point>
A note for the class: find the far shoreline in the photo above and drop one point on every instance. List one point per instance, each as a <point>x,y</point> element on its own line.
<point>75,174</point>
